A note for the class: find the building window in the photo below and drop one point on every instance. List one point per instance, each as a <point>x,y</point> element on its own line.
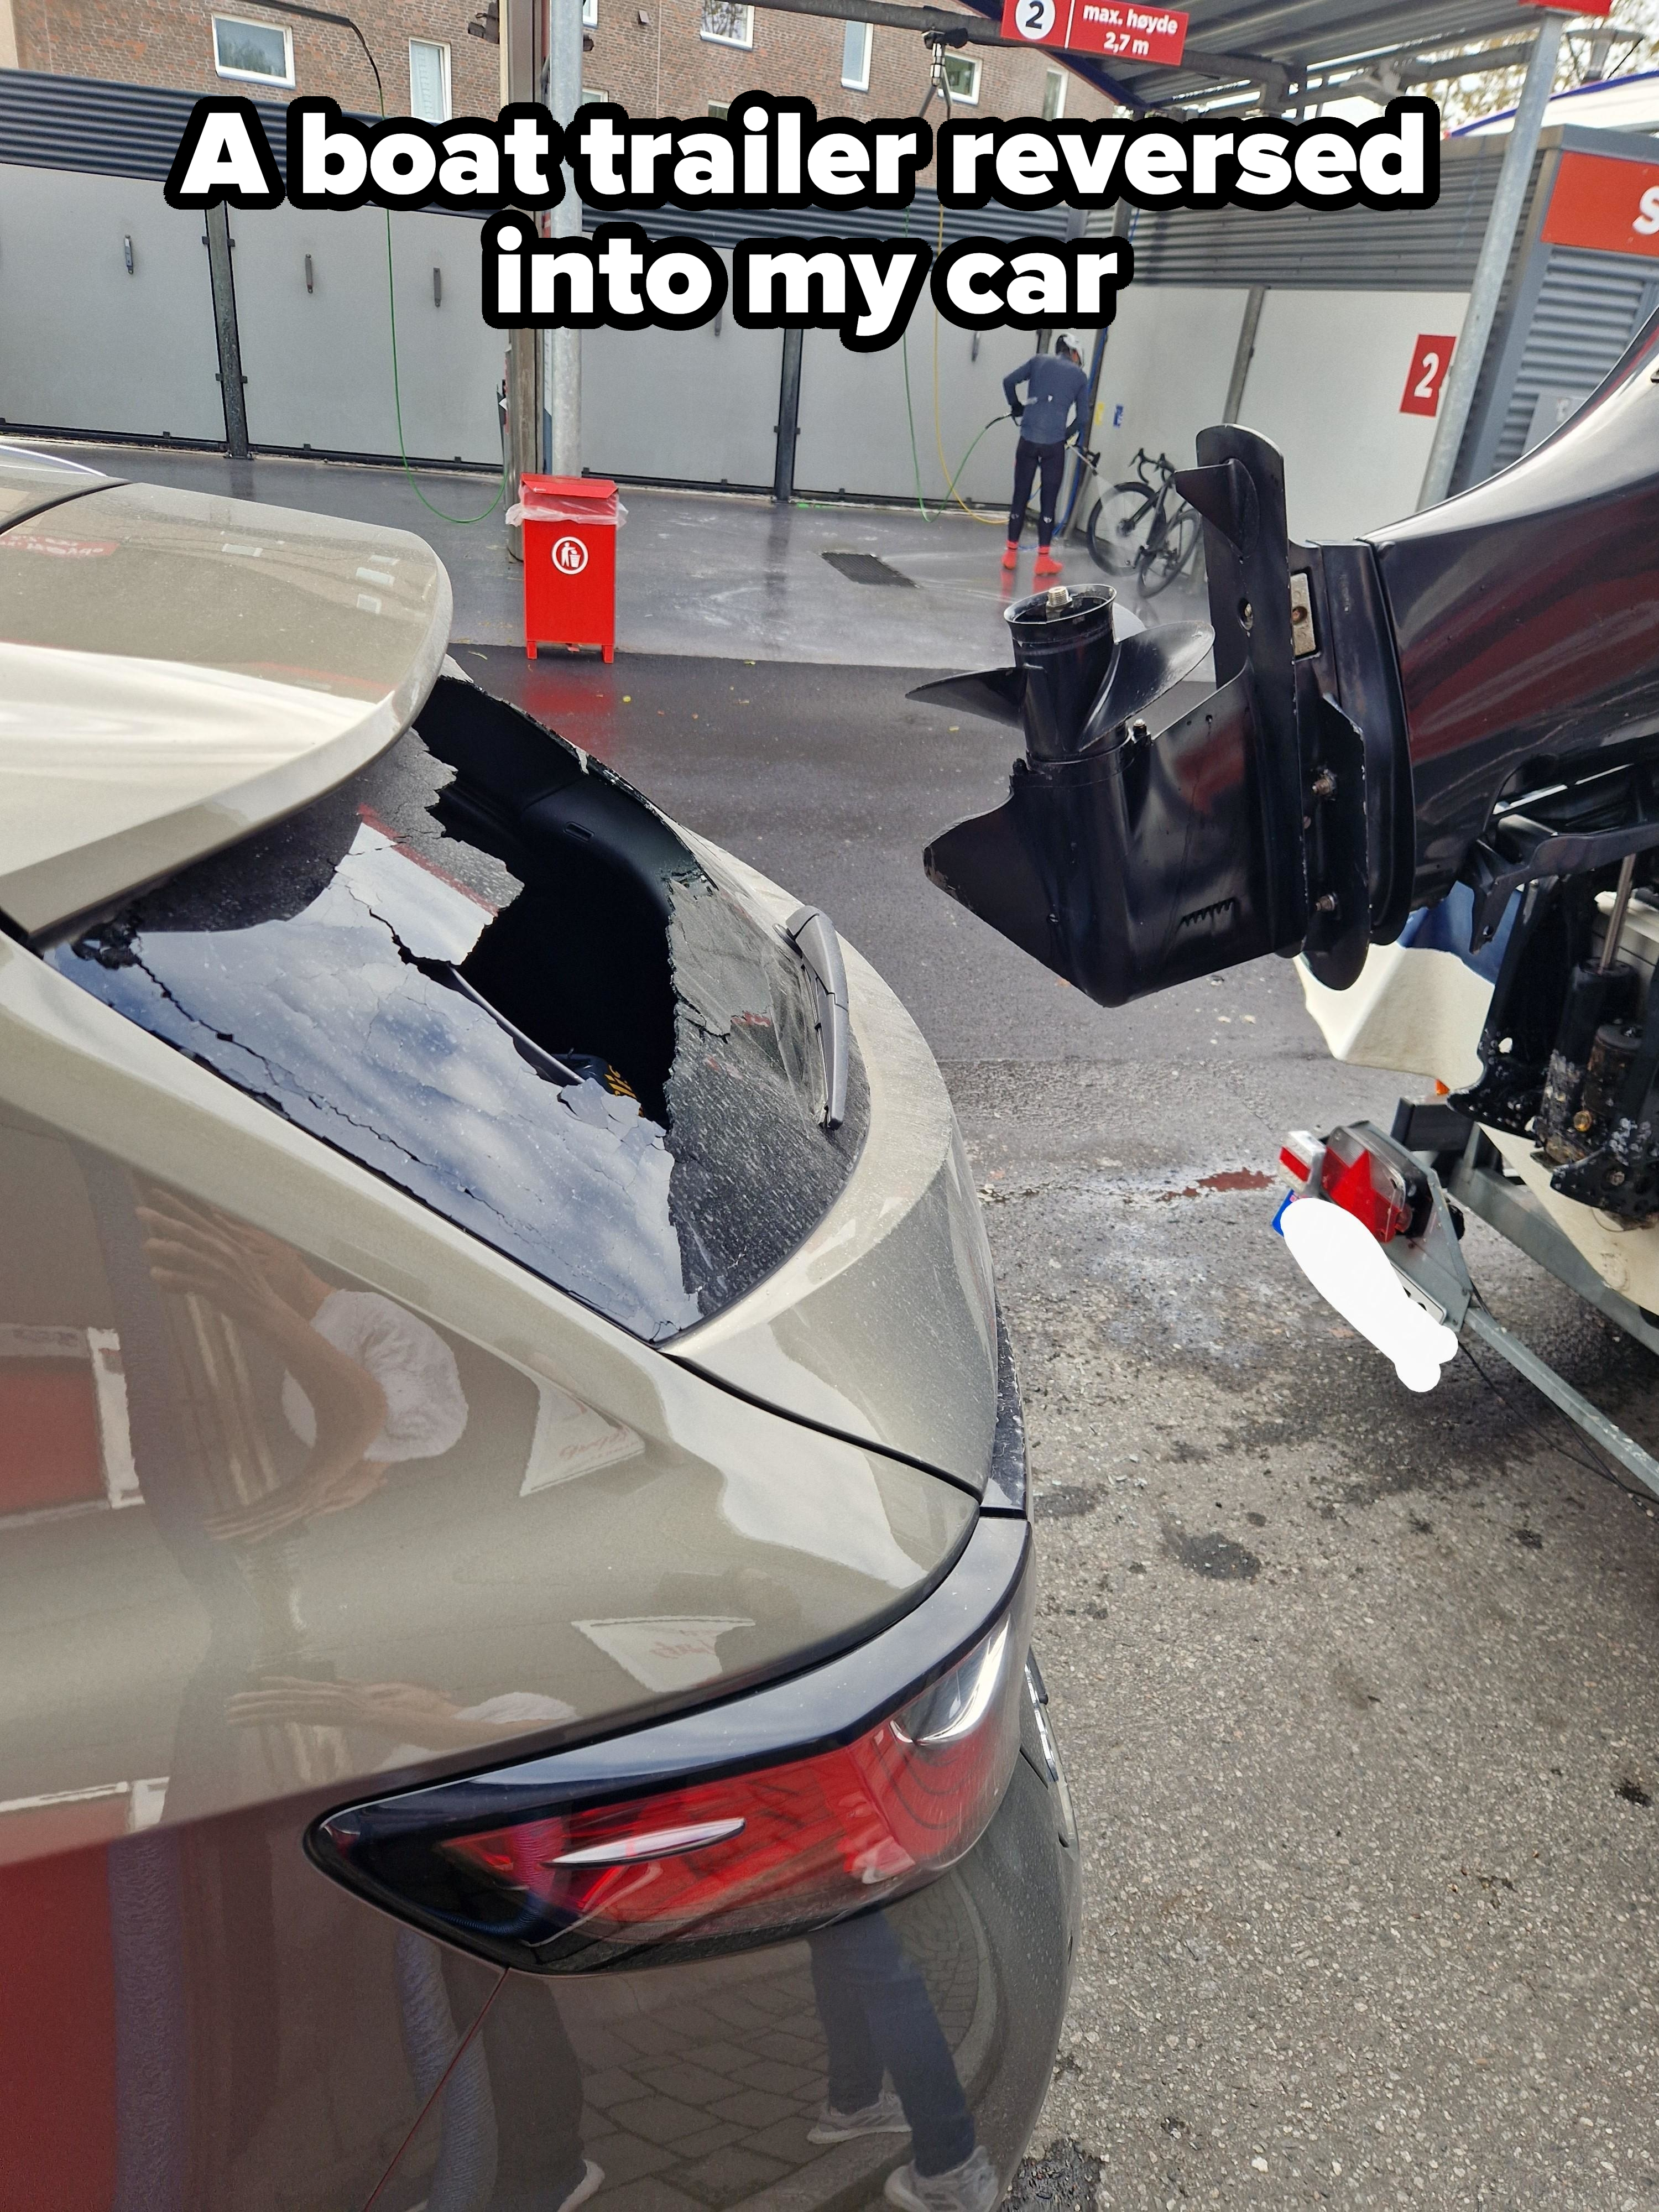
<point>591,97</point>
<point>1053,95</point>
<point>718,110</point>
<point>429,80</point>
<point>258,53</point>
<point>855,57</point>
<point>727,23</point>
<point>590,15</point>
<point>961,76</point>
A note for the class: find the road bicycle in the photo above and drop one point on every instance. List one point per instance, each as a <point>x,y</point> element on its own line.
<point>1143,528</point>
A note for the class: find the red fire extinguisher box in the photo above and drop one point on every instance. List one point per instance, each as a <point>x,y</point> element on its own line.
<point>569,525</point>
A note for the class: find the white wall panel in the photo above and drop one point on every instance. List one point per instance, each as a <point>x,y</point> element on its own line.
<point>855,429</point>
<point>693,406</point>
<point>83,344</point>
<point>1169,356</point>
<point>319,362</point>
<point>1326,384</point>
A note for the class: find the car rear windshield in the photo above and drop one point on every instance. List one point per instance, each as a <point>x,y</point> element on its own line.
<point>491,972</point>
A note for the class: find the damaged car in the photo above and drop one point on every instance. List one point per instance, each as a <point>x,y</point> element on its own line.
<point>517,1578</point>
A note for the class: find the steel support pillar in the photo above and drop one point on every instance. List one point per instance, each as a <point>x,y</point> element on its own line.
<point>232,382</point>
<point>1244,352</point>
<point>783,471</point>
<point>523,36</point>
<point>561,368</point>
<point>1490,269</point>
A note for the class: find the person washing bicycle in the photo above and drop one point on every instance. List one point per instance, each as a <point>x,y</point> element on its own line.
<point>1056,389</point>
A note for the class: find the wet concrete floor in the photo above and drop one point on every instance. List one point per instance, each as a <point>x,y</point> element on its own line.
<point>711,576</point>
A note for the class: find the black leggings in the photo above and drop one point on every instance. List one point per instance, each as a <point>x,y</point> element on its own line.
<point>1028,458</point>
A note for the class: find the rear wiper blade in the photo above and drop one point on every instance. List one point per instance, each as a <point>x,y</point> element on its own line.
<point>813,936</point>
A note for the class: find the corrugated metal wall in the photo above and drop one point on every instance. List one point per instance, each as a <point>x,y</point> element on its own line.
<point>1588,307</point>
<point>133,130</point>
<point>110,130</point>
<point>1356,249</point>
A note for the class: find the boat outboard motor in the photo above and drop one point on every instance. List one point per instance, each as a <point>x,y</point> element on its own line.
<point>1470,695</point>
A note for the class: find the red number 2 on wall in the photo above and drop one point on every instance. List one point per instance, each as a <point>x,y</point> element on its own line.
<point>1431,359</point>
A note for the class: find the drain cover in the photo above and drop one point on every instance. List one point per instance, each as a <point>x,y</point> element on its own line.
<point>865,569</point>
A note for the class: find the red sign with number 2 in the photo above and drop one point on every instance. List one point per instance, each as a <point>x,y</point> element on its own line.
<point>1124,29</point>
<point>1431,359</point>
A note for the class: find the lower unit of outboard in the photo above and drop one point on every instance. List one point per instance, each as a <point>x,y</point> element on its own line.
<point>1128,861</point>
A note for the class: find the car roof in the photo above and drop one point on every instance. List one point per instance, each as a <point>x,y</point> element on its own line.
<point>178,669</point>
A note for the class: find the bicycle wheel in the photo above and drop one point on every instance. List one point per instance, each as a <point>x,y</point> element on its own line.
<point>1120,526</point>
<point>1171,554</point>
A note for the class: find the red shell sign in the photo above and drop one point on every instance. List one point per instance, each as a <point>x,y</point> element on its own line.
<point>1606,205</point>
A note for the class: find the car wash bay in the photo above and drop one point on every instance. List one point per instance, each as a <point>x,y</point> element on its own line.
<point>1359,1689</point>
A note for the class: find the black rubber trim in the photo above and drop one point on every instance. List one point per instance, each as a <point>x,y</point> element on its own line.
<point>1009,1488</point>
<point>63,499</point>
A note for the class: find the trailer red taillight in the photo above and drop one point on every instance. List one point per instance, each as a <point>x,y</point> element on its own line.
<point>1299,1154</point>
<point>1363,1172</point>
<point>733,1860</point>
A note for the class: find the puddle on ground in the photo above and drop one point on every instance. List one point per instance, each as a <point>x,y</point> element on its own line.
<point>1064,1501</point>
<point>1065,2177</point>
<point>1212,1554</point>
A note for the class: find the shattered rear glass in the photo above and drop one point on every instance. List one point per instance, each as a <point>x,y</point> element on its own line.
<point>491,973</point>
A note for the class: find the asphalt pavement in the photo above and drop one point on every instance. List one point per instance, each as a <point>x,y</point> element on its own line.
<point>1359,1689</point>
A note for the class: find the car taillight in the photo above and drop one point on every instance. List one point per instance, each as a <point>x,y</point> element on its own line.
<point>705,1865</point>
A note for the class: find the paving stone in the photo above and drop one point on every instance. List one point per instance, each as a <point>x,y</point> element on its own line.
<point>740,2014</point>
<point>625,2157</point>
<point>774,1997</point>
<point>611,2085</point>
<point>651,2037</point>
<point>665,2120</point>
<point>729,2176</point>
<point>650,2195</point>
<point>599,2047</point>
<point>724,2057</point>
<point>753,2108</point>
<point>694,2021</point>
<point>796,2050</point>
<point>787,2139</point>
<point>781,2080</point>
<point>694,2084</point>
<point>715,2137</point>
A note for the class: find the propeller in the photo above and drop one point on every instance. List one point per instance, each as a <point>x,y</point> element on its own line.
<point>1081,671</point>
<point>1143,668</point>
<point>996,693</point>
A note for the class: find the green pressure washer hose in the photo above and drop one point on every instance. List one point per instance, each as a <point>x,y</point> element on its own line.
<point>397,403</point>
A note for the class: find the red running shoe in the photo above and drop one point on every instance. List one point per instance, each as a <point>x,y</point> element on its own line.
<point>1046,563</point>
<point>1011,554</point>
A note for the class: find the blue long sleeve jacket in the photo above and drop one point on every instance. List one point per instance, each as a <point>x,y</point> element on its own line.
<point>1055,389</point>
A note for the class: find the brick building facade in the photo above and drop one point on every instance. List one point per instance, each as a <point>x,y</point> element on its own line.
<point>175,43</point>
<point>682,58</point>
